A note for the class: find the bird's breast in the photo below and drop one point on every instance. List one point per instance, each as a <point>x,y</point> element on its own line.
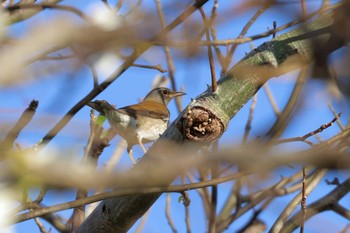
<point>130,128</point>
<point>149,129</point>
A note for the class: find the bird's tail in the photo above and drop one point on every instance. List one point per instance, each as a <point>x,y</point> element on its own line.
<point>101,106</point>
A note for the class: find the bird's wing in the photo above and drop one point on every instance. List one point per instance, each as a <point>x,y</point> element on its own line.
<point>148,108</point>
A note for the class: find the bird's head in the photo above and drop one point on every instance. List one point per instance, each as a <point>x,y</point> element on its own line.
<point>162,95</point>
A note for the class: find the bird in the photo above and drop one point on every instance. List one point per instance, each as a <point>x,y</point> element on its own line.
<point>139,123</point>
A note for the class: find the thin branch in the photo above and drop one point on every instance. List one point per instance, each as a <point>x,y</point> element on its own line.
<point>316,131</point>
<point>251,38</point>
<point>337,208</point>
<point>43,5</point>
<point>214,85</point>
<point>116,155</point>
<point>186,202</point>
<point>141,226</point>
<point>124,192</point>
<point>168,56</point>
<point>280,222</point>
<point>41,226</point>
<point>119,5</point>
<point>241,35</point>
<point>254,224</point>
<point>341,126</point>
<point>271,100</point>
<point>274,24</point>
<point>303,8</point>
<point>54,58</point>
<point>328,202</point>
<point>203,195</point>
<point>94,75</point>
<point>156,67</point>
<point>253,200</point>
<point>21,15</point>
<point>325,3</point>
<point>41,195</point>
<point>78,215</point>
<point>24,119</point>
<point>346,229</point>
<point>213,16</point>
<point>303,201</point>
<point>105,2</point>
<point>168,215</point>
<point>282,121</point>
<point>248,126</point>
<point>214,193</point>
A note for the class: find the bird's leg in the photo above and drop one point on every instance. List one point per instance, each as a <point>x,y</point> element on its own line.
<point>129,150</point>
<point>140,142</point>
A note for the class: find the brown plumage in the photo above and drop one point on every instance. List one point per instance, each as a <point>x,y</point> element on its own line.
<point>139,123</point>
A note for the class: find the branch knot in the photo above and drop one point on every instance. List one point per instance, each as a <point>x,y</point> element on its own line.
<point>200,124</point>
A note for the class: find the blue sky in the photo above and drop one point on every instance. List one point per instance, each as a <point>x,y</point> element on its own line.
<point>193,74</point>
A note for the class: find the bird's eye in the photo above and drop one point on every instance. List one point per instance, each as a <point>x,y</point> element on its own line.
<point>165,92</point>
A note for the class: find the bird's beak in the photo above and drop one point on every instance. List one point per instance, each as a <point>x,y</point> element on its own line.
<point>176,94</point>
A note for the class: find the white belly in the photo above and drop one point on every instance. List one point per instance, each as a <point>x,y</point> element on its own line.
<point>131,129</point>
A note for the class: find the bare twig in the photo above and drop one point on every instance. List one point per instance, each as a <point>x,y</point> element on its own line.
<point>286,114</point>
<point>325,3</point>
<point>24,119</point>
<point>105,2</point>
<point>210,53</point>
<point>186,202</point>
<point>54,58</point>
<point>41,226</point>
<point>157,67</point>
<point>212,216</point>
<point>168,215</point>
<point>117,153</point>
<point>248,126</point>
<point>328,202</point>
<point>254,37</point>
<point>94,74</point>
<point>280,222</point>
<point>44,5</point>
<point>271,99</point>
<point>225,218</point>
<point>203,193</point>
<point>241,35</point>
<point>21,15</point>
<point>168,56</point>
<point>142,223</point>
<point>41,195</point>
<point>78,215</point>
<point>213,16</point>
<point>316,131</point>
<point>254,224</point>
<point>119,5</point>
<point>123,192</point>
<point>303,8</point>
<point>341,126</point>
<point>214,193</point>
<point>303,201</point>
<point>346,229</point>
<point>335,181</point>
